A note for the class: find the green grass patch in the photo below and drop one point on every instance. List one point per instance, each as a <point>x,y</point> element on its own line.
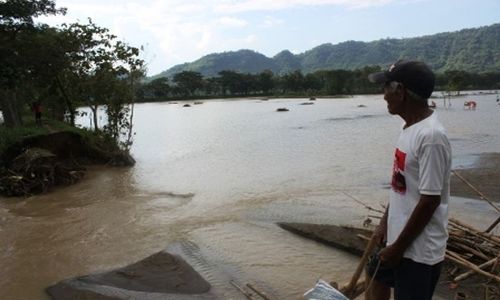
<point>10,136</point>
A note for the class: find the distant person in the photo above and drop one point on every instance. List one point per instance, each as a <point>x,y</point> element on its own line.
<point>37,109</point>
<point>413,231</point>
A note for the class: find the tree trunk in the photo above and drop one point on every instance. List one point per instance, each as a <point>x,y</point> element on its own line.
<point>10,109</point>
<point>69,104</point>
<point>94,109</point>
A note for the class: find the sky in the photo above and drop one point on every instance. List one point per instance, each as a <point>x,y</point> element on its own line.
<point>173,32</point>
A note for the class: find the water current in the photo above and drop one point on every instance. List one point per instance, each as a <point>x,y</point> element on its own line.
<point>210,183</point>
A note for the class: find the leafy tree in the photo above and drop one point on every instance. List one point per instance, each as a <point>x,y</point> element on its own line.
<point>312,83</point>
<point>293,81</point>
<point>20,63</point>
<point>101,71</point>
<point>231,81</point>
<point>188,82</point>
<point>159,87</point>
<point>265,81</point>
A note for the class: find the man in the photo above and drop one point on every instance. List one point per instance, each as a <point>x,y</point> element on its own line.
<point>414,226</point>
<point>37,109</point>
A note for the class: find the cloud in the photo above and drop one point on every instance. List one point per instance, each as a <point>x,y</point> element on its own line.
<point>250,39</point>
<point>271,21</point>
<point>265,5</point>
<point>178,31</point>
<point>231,22</point>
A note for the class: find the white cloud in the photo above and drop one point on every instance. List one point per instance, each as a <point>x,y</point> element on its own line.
<point>271,21</point>
<point>232,22</point>
<point>250,39</point>
<point>265,5</point>
<point>177,31</point>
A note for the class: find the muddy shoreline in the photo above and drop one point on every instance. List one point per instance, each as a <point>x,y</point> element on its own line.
<point>484,175</point>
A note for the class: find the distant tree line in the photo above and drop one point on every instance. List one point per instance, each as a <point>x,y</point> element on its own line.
<point>190,84</point>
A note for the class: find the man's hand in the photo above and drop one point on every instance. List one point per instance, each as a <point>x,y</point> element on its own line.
<point>391,256</point>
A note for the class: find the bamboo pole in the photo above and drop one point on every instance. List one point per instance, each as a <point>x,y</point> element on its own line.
<point>476,190</point>
<point>264,296</point>
<point>360,202</point>
<point>456,258</point>
<point>245,293</point>
<point>488,236</point>
<point>358,289</point>
<point>349,289</point>
<point>493,225</point>
<point>363,237</point>
<point>470,272</point>
<point>472,250</point>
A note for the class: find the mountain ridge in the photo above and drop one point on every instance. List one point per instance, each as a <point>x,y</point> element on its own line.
<point>471,49</point>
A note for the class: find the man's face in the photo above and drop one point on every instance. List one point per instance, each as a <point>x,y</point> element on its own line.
<point>394,95</point>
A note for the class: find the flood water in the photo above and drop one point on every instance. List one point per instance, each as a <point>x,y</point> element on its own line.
<point>212,180</point>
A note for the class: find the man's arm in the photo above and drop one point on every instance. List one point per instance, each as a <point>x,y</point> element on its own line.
<point>420,217</point>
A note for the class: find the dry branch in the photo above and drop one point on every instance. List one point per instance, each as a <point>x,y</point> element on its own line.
<point>470,272</point>
<point>456,258</point>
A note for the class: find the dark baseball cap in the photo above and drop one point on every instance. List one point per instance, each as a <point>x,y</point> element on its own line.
<point>414,75</point>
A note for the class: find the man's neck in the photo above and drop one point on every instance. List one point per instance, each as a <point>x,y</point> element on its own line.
<point>414,115</point>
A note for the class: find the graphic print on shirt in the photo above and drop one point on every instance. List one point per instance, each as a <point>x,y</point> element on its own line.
<point>398,179</point>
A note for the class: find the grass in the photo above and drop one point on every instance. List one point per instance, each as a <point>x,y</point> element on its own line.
<point>10,136</point>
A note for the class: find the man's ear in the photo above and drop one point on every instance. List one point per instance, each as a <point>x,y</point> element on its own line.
<point>400,90</point>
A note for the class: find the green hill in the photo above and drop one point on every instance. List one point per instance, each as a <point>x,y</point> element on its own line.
<point>473,50</point>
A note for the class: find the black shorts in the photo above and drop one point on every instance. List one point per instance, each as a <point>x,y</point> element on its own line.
<point>411,280</point>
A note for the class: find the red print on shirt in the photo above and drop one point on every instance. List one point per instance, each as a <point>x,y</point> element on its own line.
<point>398,180</point>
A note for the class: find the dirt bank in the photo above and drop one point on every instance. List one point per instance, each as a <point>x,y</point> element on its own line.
<point>35,164</point>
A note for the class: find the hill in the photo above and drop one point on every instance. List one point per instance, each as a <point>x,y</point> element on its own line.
<point>473,50</point>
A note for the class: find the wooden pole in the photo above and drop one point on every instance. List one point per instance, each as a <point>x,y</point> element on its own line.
<point>454,257</point>
<point>349,289</point>
<point>492,226</point>
<point>472,250</point>
<point>245,293</point>
<point>470,272</point>
<point>365,205</point>
<point>488,236</point>
<point>264,296</point>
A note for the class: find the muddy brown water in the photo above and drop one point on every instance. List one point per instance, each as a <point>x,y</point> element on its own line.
<point>210,182</point>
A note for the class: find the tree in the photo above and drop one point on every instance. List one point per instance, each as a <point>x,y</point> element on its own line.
<point>101,71</point>
<point>20,64</point>
<point>456,80</point>
<point>293,81</point>
<point>188,82</point>
<point>159,87</point>
<point>312,83</point>
<point>230,81</point>
<point>265,81</point>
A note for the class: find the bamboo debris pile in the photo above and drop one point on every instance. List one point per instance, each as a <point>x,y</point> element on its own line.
<point>467,247</point>
<point>477,252</point>
<point>471,251</point>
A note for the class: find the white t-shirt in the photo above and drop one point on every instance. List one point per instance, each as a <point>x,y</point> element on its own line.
<point>422,165</point>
